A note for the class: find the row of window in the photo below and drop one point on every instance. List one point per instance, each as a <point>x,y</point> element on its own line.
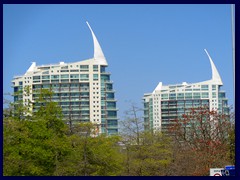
<point>184,102</point>
<point>83,68</point>
<point>191,95</point>
<point>57,86</point>
<point>189,88</point>
<point>65,76</point>
<point>186,95</point>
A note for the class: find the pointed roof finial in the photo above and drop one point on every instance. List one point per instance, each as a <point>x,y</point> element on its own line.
<point>31,68</point>
<point>98,54</point>
<point>215,75</point>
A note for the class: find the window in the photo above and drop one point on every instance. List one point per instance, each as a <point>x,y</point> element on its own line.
<point>205,102</point>
<point>196,96</point>
<point>95,68</point>
<point>112,122</point>
<point>196,89</point>
<point>221,95</point>
<point>84,77</point>
<point>83,68</point>
<point>111,113</point>
<point>213,87</point>
<point>36,77</point>
<point>196,103</point>
<point>204,87</point>
<point>64,70</point>
<point>46,86</point>
<point>45,77</point>
<point>213,94</point>
<point>172,96</point>
<point>74,70</point>
<point>45,72</point>
<point>95,77</point>
<point>65,80</point>
<point>188,95</point>
<point>102,69</point>
<point>164,96</point>
<point>64,67</point>
<point>180,96</point>
<point>45,81</point>
<point>110,95</point>
<point>105,77</point>
<point>111,105</point>
<point>64,76</point>
<point>205,95</point>
<point>74,76</point>
<point>55,76</point>
<point>15,89</point>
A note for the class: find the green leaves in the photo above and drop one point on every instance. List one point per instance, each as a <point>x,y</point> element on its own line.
<point>42,145</point>
<point>92,156</point>
<point>30,148</point>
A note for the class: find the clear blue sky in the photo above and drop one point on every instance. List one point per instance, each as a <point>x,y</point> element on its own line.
<point>143,44</point>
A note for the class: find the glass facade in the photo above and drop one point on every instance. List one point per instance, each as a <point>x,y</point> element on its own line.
<point>86,96</point>
<point>176,100</point>
<point>83,90</point>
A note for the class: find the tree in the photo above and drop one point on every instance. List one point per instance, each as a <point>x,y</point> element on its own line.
<point>151,157</point>
<point>50,112</point>
<point>38,143</point>
<point>204,134</point>
<point>132,125</point>
<point>91,155</point>
<point>146,153</point>
<point>231,137</point>
<point>34,144</point>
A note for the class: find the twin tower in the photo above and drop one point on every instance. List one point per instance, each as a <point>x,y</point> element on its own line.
<point>85,93</point>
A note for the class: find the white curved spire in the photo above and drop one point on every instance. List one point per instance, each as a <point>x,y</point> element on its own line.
<point>158,88</point>
<point>31,68</point>
<point>215,75</point>
<point>98,54</point>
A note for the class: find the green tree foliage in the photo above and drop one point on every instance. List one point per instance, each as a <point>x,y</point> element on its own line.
<point>32,144</point>
<point>50,112</point>
<point>92,156</point>
<point>146,153</point>
<point>37,144</point>
<point>30,148</point>
<point>151,157</point>
<point>40,144</point>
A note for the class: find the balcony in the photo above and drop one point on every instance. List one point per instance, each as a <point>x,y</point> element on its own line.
<point>107,81</point>
<point>112,127</point>
<point>64,100</point>
<point>107,73</point>
<point>84,89</point>
<point>74,99</point>
<point>110,99</point>
<point>84,99</point>
<point>111,108</point>
<point>64,89</point>
<point>111,118</point>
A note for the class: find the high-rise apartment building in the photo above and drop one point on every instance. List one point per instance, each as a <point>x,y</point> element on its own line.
<point>83,89</point>
<point>168,102</point>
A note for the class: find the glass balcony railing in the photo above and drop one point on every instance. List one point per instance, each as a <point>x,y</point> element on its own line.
<point>111,117</point>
